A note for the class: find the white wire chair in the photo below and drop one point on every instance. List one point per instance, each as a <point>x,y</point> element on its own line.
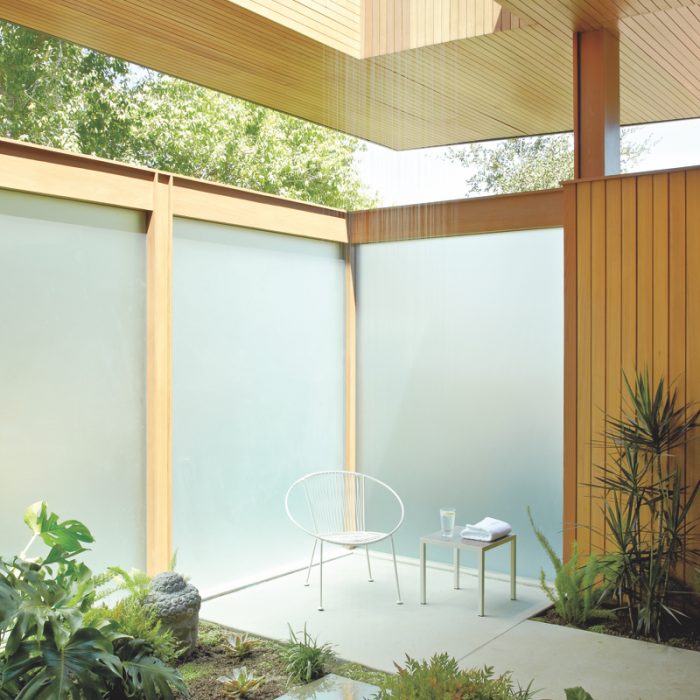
<point>335,505</point>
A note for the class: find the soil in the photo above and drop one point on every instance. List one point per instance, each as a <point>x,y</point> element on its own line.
<point>684,636</point>
<point>213,658</point>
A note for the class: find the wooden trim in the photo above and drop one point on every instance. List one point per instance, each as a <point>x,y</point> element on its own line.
<point>37,170</point>
<point>47,171</point>
<point>570,369</point>
<point>350,360</point>
<point>159,377</point>
<point>227,205</point>
<point>510,212</point>
<point>596,63</point>
<point>635,175</point>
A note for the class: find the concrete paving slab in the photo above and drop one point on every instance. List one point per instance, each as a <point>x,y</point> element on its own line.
<point>362,619</point>
<point>609,668</point>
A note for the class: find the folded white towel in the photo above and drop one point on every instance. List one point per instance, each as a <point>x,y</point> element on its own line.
<point>487,530</point>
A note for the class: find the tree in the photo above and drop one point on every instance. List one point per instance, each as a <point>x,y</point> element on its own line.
<point>54,93</point>
<point>530,163</point>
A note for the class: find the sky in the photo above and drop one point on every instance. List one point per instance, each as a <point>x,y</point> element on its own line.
<point>425,175</point>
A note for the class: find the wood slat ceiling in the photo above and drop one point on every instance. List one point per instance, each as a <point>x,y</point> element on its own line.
<point>504,84</point>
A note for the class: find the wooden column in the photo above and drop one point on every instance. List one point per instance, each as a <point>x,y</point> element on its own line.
<point>159,378</point>
<point>596,104</point>
<point>350,360</point>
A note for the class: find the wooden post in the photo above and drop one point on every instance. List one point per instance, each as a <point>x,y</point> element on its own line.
<point>350,360</point>
<point>159,378</point>
<point>596,104</point>
<point>570,369</point>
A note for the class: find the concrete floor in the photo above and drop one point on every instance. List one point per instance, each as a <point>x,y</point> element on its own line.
<point>365,625</point>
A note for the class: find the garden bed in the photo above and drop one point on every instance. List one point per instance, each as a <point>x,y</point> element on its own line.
<point>213,658</point>
<point>686,636</point>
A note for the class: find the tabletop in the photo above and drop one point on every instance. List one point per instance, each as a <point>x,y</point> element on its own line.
<point>456,540</point>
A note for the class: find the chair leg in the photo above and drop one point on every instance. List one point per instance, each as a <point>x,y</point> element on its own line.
<point>320,570</point>
<point>369,567</point>
<point>311,563</point>
<point>396,572</point>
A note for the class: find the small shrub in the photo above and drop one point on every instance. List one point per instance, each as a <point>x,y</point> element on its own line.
<point>139,621</point>
<point>441,677</point>
<point>577,693</point>
<point>306,659</point>
<point>240,683</point>
<point>574,596</point>
<point>241,645</point>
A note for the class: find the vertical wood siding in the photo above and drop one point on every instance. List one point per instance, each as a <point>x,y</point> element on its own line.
<point>633,267</point>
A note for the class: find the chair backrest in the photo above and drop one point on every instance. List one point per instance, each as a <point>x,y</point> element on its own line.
<point>338,501</point>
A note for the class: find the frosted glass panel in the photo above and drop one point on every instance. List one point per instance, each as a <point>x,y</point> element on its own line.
<point>460,362</point>
<point>72,371</point>
<point>258,392</point>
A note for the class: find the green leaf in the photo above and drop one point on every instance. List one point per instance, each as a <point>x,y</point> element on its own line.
<point>577,693</point>
<point>74,670</point>
<point>65,538</point>
<point>146,676</point>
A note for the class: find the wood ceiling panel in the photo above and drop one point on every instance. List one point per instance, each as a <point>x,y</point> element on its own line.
<point>497,85</point>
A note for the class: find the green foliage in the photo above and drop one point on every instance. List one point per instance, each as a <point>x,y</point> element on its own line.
<point>47,647</point>
<point>442,679</point>
<point>57,94</point>
<point>306,659</point>
<point>577,693</point>
<point>140,621</point>
<point>211,635</point>
<point>574,596</point>
<point>241,645</point>
<point>529,163</point>
<point>648,502</point>
<point>240,683</point>
<point>117,580</point>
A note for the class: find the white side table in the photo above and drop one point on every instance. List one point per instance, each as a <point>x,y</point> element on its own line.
<point>458,543</point>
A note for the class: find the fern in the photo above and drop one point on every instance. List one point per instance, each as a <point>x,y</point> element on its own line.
<point>575,597</point>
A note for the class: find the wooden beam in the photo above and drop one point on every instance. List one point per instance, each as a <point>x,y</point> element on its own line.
<point>510,212</point>
<point>46,171</point>
<point>596,104</point>
<point>194,199</point>
<point>159,378</point>
<point>39,170</point>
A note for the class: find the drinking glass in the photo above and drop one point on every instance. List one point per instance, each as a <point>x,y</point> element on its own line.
<point>447,521</point>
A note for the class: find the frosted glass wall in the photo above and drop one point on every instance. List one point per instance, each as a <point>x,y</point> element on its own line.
<point>460,382</point>
<point>258,392</point>
<point>72,371</point>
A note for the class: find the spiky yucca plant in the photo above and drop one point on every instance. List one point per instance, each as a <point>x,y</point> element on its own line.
<point>647,503</point>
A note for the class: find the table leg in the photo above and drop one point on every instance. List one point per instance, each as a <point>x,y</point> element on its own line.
<point>455,562</point>
<point>512,569</point>
<point>481,583</point>
<point>422,573</point>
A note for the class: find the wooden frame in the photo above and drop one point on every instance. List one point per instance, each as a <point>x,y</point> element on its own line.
<point>161,196</point>
<point>509,212</point>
